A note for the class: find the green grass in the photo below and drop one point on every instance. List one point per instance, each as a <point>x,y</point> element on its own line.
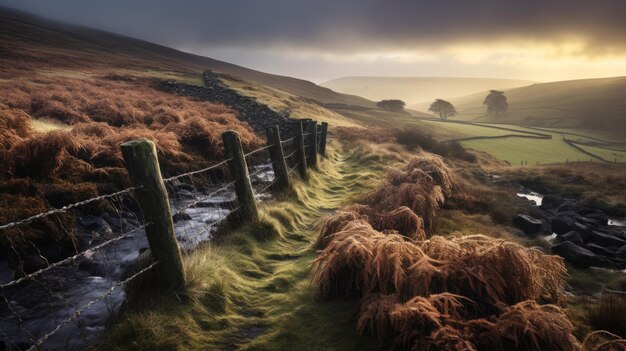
<point>251,290</point>
<point>534,150</point>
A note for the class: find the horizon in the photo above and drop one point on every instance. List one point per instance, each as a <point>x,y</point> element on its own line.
<point>538,41</point>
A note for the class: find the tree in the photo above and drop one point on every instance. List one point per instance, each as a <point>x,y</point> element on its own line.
<point>443,108</point>
<point>391,105</point>
<point>496,102</point>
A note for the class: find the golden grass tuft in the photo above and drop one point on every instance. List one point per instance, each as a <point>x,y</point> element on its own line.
<point>461,293</point>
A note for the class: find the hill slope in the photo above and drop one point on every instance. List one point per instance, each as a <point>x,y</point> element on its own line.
<point>54,45</point>
<point>586,103</point>
<point>414,90</point>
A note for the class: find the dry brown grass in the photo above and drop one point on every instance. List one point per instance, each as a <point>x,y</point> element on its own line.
<point>402,221</point>
<point>460,293</point>
<point>421,186</point>
<point>104,111</point>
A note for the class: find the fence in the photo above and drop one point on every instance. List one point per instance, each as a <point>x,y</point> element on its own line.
<point>61,296</point>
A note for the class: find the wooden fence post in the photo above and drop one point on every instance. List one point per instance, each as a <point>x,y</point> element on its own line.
<point>311,141</point>
<point>239,171</point>
<point>299,146</point>
<point>323,132</point>
<point>140,158</point>
<point>281,173</point>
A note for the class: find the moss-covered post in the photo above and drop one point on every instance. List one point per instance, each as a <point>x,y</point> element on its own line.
<point>299,146</point>
<point>281,173</point>
<point>239,172</point>
<point>311,142</point>
<point>323,133</point>
<point>140,158</point>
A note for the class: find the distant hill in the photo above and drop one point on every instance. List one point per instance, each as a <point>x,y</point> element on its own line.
<point>414,90</point>
<point>586,103</point>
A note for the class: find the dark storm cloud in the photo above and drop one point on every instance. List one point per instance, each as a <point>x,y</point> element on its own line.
<point>345,26</point>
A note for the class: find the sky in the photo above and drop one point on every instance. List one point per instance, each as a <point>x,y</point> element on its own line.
<point>542,40</point>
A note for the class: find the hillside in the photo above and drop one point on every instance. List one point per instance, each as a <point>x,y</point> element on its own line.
<point>413,90</point>
<point>586,103</point>
<point>52,45</point>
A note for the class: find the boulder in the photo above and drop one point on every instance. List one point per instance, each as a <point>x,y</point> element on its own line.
<point>181,216</point>
<point>582,257</point>
<point>576,255</point>
<point>583,229</point>
<point>572,236</point>
<point>562,225</point>
<point>574,207</point>
<point>527,224</point>
<point>551,201</point>
<point>601,250</point>
<point>606,239</point>
<point>600,217</point>
<point>621,253</point>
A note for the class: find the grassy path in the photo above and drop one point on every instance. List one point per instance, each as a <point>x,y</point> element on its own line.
<point>252,290</point>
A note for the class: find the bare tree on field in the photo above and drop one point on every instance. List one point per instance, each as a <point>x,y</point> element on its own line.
<point>496,102</point>
<point>443,108</point>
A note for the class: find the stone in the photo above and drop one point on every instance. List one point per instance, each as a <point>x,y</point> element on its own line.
<point>576,255</point>
<point>606,239</point>
<point>572,206</point>
<point>600,250</point>
<point>181,216</point>
<point>621,253</point>
<point>527,224</point>
<point>582,257</point>
<point>562,225</point>
<point>600,217</point>
<point>551,201</point>
<point>572,236</point>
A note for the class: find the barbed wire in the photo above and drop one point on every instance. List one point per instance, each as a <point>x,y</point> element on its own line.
<point>204,198</point>
<point>167,180</point>
<point>77,314</point>
<point>72,258</point>
<point>288,140</point>
<point>257,150</point>
<point>67,208</point>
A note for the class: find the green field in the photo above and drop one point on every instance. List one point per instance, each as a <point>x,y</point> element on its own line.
<point>523,144</point>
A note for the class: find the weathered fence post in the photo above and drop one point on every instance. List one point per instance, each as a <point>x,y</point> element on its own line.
<point>311,141</point>
<point>278,158</point>
<point>323,132</point>
<point>239,171</point>
<point>140,158</point>
<point>299,146</point>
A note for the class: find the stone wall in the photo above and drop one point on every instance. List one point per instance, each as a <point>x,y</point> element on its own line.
<point>248,109</point>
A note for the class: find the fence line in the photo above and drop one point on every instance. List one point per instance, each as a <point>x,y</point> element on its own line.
<point>88,305</point>
<point>172,190</point>
<point>66,208</point>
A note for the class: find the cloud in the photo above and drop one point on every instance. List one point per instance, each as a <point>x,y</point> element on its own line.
<point>349,26</point>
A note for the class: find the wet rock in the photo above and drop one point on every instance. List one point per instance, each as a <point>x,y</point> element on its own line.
<point>606,239</point>
<point>574,207</point>
<point>181,216</point>
<point>562,225</point>
<point>582,257</point>
<point>601,250</point>
<point>116,222</point>
<point>551,201</point>
<point>583,229</point>
<point>621,253</point>
<point>95,224</point>
<point>572,236</point>
<point>183,194</point>
<point>527,224</point>
<point>577,255</point>
<point>600,217</point>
